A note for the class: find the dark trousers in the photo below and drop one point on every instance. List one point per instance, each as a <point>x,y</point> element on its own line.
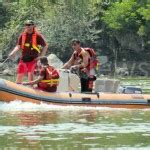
<point>85,85</point>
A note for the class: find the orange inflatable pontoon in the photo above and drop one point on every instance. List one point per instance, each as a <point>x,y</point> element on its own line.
<point>10,91</point>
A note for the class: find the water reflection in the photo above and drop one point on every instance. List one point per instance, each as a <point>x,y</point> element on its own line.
<point>38,118</point>
<point>33,126</point>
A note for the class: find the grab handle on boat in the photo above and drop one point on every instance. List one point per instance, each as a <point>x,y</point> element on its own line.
<point>70,95</point>
<point>86,99</point>
<point>97,95</point>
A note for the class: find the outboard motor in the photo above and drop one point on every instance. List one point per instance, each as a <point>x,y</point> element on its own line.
<point>130,90</point>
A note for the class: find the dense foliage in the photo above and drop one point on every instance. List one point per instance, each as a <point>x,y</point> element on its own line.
<point>116,28</point>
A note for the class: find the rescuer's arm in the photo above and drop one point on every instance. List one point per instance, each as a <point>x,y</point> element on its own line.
<point>13,52</point>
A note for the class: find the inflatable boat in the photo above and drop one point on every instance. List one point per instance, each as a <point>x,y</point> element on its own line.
<point>10,91</point>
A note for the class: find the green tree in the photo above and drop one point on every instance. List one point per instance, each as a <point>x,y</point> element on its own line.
<point>129,23</point>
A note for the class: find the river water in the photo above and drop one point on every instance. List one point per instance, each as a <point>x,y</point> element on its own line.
<point>25,125</point>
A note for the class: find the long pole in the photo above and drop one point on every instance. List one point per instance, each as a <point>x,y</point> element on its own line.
<point>5,61</point>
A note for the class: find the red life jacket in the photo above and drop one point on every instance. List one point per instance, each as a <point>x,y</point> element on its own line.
<point>34,41</point>
<point>50,79</point>
<point>93,61</point>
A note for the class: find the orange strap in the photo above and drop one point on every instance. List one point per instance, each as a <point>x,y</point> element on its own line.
<point>34,39</point>
<point>23,40</point>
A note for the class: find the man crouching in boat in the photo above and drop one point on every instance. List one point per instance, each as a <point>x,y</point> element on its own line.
<point>48,77</point>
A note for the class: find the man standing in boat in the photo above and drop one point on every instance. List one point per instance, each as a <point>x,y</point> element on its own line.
<point>29,42</point>
<point>48,77</point>
<point>84,60</point>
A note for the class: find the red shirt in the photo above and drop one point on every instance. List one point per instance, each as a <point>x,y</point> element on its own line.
<point>28,51</point>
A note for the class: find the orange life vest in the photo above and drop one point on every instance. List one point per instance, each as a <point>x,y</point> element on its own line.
<point>51,78</point>
<point>34,41</point>
<point>93,61</point>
